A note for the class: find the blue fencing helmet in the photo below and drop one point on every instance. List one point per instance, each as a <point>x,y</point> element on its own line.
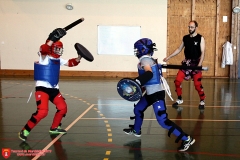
<point>143,47</point>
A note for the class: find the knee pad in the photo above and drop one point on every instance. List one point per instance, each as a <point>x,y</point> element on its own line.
<point>198,86</point>
<point>198,81</point>
<point>164,122</point>
<point>61,105</point>
<point>40,114</point>
<point>162,118</point>
<point>63,112</point>
<point>62,109</point>
<point>179,78</point>
<point>177,83</point>
<point>160,112</point>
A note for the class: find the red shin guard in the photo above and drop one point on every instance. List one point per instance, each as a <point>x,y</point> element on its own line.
<point>42,110</point>
<point>198,85</point>
<point>178,82</point>
<point>61,110</point>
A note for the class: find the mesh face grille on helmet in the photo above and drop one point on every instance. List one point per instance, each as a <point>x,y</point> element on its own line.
<point>143,47</point>
<point>57,49</point>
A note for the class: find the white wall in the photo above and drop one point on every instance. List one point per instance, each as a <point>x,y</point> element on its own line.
<point>25,25</point>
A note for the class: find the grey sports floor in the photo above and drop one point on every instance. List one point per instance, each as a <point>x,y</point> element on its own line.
<point>97,115</point>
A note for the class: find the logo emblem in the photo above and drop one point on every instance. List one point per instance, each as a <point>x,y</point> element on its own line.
<point>129,89</point>
<point>195,43</point>
<point>6,152</point>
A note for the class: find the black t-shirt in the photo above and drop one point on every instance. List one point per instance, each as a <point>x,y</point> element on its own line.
<point>192,48</point>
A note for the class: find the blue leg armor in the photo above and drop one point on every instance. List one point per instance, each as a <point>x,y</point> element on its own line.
<point>162,118</point>
<point>139,109</point>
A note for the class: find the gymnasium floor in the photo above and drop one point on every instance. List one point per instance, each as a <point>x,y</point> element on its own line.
<point>97,115</point>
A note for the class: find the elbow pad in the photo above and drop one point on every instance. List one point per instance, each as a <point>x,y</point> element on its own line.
<point>144,78</point>
<point>72,62</point>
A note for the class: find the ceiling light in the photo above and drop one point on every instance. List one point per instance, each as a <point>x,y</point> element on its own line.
<point>236,9</point>
<point>69,6</point>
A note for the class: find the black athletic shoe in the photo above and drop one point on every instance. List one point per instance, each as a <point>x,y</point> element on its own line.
<point>23,135</point>
<point>130,131</point>
<point>58,130</point>
<point>175,105</point>
<point>186,144</point>
<point>201,106</point>
<point>178,101</point>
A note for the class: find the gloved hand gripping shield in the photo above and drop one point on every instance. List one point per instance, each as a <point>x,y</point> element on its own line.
<point>129,89</point>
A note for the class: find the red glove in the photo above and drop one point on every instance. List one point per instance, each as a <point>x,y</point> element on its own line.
<point>45,49</point>
<point>72,62</point>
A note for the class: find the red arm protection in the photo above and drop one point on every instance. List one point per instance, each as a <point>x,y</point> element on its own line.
<point>45,49</point>
<point>72,62</point>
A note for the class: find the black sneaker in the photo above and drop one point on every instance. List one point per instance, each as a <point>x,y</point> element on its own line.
<point>186,144</point>
<point>175,105</point>
<point>130,131</point>
<point>58,130</point>
<point>201,106</point>
<point>23,135</point>
<point>178,101</point>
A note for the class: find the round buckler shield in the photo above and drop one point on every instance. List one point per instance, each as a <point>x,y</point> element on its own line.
<point>129,89</point>
<point>82,51</point>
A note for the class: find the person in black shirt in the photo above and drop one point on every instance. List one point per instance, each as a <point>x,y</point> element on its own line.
<point>194,50</point>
